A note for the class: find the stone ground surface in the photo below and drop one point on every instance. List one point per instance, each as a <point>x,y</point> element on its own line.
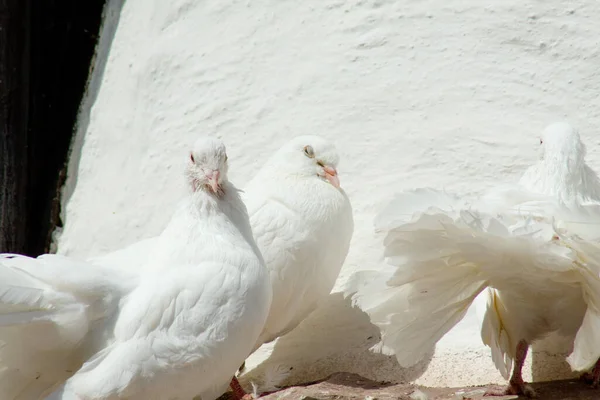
<point>344,386</point>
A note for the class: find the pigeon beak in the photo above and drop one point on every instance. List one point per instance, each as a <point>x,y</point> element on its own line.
<point>331,176</point>
<point>213,180</point>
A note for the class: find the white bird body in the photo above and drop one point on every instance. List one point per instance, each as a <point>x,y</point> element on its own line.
<point>516,243</point>
<point>176,329</point>
<point>302,222</point>
<point>304,234</point>
<point>529,310</point>
<point>532,310</point>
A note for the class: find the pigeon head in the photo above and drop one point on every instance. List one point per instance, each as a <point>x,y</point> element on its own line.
<point>309,156</point>
<point>207,165</point>
<point>562,144</point>
<point>562,171</point>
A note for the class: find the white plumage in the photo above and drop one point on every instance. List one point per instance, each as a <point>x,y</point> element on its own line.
<point>562,172</point>
<point>302,221</point>
<point>179,328</point>
<point>523,244</point>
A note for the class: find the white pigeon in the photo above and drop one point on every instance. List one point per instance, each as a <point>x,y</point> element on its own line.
<point>178,329</point>
<point>302,222</point>
<point>541,279</point>
<point>563,175</point>
<point>561,171</point>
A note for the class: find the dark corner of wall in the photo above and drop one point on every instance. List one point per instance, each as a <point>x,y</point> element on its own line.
<point>46,51</point>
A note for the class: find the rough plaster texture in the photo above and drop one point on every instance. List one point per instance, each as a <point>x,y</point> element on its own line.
<point>449,94</point>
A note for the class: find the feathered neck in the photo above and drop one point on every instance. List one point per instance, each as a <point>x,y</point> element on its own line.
<point>205,201</point>
<point>202,223</point>
<point>569,180</point>
<point>227,204</point>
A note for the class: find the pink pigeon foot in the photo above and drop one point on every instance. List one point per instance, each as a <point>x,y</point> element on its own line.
<point>593,378</point>
<point>238,392</point>
<point>516,385</point>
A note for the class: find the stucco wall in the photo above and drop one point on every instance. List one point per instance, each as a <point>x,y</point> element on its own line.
<point>449,94</point>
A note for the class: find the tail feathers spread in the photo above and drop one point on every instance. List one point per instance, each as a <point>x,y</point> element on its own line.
<point>431,278</point>
<point>494,334</point>
<point>442,257</point>
<point>441,261</point>
<point>272,379</point>
<point>39,327</point>
<point>406,331</point>
<point>580,219</point>
<point>586,349</point>
<point>517,201</point>
<point>404,206</point>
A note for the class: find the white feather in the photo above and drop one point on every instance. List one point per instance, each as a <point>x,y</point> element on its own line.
<point>272,379</point>
<point>173,329</point>
<point>303,226</point>
<point>525,245</point>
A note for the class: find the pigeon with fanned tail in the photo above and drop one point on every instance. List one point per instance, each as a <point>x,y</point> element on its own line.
<point>178,328</point>
<point>521,245</point>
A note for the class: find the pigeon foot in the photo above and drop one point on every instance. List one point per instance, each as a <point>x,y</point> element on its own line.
<point>515,387</point>
<point>593,378</point>
<point>238,392</point>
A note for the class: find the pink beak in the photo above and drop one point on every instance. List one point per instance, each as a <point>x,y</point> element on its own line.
<point>213,180</point>
<point>332,176</point>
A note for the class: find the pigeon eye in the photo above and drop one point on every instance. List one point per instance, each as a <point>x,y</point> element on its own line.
<point>541,141</point>
<point>309,152</point>
<point>192,157</point>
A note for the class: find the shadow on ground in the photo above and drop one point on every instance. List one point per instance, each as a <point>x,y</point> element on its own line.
<point>346,386</point>
<point>336,337</point>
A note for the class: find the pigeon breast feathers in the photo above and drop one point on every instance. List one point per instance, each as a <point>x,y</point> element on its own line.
<point>302,221</point>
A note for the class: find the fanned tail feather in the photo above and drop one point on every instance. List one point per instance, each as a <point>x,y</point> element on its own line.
<point>427,276</point>
<point>271,381</point>
<point>494,334</point>
<point>586,348</point>
<point>37,324</point>
<point>418,305</point>
<point>404,205</point>
<point>443,257</point>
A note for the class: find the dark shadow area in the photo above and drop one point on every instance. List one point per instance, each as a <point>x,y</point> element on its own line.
<point>15,17</point>
<point>356,381</point>
<point>344,386</point>
<point>46,49</point>
<point>336,337</point>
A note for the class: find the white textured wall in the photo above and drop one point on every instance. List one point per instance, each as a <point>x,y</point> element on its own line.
<point>415,93</point>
